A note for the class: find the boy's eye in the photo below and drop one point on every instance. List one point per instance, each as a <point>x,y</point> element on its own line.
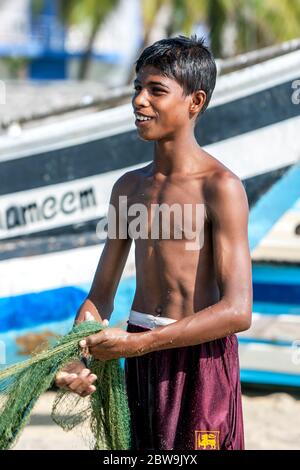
<point>158,90</point>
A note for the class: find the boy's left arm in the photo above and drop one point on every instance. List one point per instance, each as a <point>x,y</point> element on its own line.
<point>227,207</point>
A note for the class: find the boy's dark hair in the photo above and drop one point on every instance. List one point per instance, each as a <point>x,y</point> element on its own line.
<point>187,60</point>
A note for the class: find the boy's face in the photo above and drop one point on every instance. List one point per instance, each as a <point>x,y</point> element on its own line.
<point>164,102</point>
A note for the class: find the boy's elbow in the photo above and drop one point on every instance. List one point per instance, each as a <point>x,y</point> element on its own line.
<point>245,322</point>
<point>242,319</point>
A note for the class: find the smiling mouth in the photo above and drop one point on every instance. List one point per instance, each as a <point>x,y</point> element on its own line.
<point>142,123</point>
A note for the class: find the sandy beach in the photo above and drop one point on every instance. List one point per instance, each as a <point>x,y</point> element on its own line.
<point>271,421</point>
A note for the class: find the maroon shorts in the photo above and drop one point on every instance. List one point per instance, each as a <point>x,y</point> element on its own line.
<point>186,398</point>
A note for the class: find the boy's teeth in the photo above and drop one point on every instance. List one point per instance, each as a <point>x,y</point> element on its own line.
<point>143,118</point>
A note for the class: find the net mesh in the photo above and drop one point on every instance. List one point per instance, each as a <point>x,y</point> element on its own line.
<point>106,410</point>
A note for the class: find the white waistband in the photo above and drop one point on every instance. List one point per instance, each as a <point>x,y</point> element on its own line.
<point>145,320</point>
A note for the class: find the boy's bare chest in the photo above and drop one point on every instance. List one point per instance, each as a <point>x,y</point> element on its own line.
<point>167,193</point>
<point>168,208</point>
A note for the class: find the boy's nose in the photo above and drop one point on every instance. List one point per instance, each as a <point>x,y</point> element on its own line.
<point>140,99</point>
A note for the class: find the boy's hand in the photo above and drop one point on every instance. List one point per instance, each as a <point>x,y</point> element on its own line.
<point>75,377</point>
<point>112,343</point>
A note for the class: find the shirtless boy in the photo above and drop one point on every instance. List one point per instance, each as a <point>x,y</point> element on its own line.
<point>180,346</point>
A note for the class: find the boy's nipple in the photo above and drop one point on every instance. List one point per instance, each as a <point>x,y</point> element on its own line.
<point>158,310</point>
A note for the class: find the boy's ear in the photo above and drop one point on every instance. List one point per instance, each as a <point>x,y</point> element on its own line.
<point>198,101</point>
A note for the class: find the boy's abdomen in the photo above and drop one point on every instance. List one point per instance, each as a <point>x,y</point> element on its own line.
<point>172,281</point>
<point>186,398</point>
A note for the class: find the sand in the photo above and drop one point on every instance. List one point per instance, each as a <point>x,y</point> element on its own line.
<point>271,421</point>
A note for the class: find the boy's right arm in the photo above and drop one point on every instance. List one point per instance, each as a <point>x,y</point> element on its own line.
<point>99,302</point>
<point>75,377</point>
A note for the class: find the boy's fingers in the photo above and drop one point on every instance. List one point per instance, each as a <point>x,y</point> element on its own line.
<point>88,316</point>
<point>75,384</point>
<point>64,378</point>
<point>91,389</point>
<point>82,343</point>
<point>80,383</point>
<point>69,379</point>
<point>82,388</point>
<point>91,379</point>
<point>80,378</point>
<point>92,340</point>
<point>85,388</point>
<point>73,367</point>
<point>84,373</point>
<point>85,383</point>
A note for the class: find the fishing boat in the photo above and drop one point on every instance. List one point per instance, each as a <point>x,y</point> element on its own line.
<point>270,349</point>
<point>56,177</point>
<point>56,180</point>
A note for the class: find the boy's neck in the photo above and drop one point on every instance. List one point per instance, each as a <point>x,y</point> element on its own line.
<point>179,156</point>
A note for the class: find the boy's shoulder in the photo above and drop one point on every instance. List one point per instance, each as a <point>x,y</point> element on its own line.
<point>222,185</point>
<point>130,180</point>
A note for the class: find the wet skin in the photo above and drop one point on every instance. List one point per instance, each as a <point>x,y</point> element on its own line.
<point>208,290</point>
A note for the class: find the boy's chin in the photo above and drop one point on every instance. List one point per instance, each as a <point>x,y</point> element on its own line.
<point>147,138</point>
<point>151,136</point>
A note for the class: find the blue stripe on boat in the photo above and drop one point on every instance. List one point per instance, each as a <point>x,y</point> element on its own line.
<point>272,205</point>
<point>269,377</point>
<point>272,342</point>
<point>25,311</point>
<point>29,310</point>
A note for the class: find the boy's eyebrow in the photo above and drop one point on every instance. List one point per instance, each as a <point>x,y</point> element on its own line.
<point>136,81</point>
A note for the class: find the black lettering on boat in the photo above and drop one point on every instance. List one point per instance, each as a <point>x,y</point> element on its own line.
<point>48,208</point>
<point>14,217</point>
<point>30,213</point>
<point>87,198</point>
<point>67,203</point>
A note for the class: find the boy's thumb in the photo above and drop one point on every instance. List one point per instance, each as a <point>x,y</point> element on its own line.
<point>88,316</point>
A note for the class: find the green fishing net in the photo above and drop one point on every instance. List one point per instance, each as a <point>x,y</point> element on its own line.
<point>106,410</point>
